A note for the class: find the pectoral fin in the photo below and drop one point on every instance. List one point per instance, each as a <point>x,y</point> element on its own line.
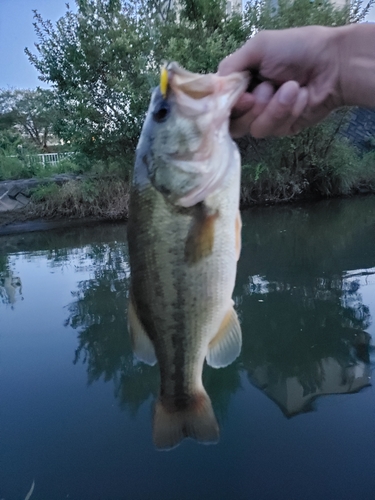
<point>226,345</point>
<point>201,237</point>
<point>141,343</point>
<point>238,234</point>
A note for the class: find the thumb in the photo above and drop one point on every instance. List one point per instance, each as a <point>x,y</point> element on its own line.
<point>249,56</point>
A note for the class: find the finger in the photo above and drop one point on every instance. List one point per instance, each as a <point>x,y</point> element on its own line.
<point>248,56</point>
<point>243,105</point>
<point>277,111</point>
<point>242,119</point>
<point>257,100</point>
<point>299,106</point>
<point>241,126</point>
<point>263,94</point>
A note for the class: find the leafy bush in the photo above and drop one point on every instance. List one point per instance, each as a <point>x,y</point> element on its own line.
<point>13,168</point>
<point>45,192</point>
<point>316,162</point>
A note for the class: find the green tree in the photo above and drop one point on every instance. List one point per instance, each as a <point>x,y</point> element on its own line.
<point>103,60</point>
<point>9,141</point>
<point>96,60</point>
<point>30,112</point>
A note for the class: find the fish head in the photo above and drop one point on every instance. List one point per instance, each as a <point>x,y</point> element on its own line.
<point>187,129</point>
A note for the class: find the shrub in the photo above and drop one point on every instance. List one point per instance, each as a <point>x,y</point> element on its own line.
<point>316,162</point>
<point>13,168</point>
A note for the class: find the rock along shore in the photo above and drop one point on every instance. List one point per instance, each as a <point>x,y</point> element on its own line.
<point>15,195</point>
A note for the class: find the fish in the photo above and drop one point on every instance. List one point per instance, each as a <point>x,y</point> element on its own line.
<point>184,236</point>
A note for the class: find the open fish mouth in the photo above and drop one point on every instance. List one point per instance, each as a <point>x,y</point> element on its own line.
<point>199,86</point>
<point>192,85</point>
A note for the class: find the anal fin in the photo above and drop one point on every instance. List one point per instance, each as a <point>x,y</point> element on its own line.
<point>226,345</point>
<point>141,343</point>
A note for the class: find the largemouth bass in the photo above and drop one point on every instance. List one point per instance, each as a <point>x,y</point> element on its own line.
<point>184,242</point>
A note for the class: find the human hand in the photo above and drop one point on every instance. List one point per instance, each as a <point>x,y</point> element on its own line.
<point>301,67</point>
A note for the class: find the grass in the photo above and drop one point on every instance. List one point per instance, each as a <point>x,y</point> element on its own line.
<point>317,163</point>
<point>102,197</point>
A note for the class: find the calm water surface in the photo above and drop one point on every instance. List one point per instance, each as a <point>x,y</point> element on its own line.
<point>296,409</point>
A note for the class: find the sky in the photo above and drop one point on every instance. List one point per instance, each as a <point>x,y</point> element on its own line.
<point>17,32</point>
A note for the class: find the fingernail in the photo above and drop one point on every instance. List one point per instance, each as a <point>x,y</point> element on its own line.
<point>263,92</point>
<point>288,94</point>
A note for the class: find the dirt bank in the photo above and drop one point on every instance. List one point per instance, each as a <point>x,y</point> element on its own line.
<point>24,221</point>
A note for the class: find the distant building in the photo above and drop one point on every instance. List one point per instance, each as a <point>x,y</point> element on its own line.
<point>234,6</point>
<point>336,3</point>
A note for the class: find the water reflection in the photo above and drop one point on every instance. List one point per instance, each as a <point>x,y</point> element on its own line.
<point>98,312</point>
<point>304,333</point>
<point>306,341</point>
<point>299,295</point>
<point>10,285</point>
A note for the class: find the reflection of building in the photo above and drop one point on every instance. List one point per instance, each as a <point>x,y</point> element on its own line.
<point>294,396</point>
<point>8,288</point>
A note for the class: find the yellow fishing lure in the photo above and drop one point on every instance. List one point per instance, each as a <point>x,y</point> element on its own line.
<point>164,81</point>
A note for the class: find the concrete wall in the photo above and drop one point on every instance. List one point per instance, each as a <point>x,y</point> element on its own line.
<point>361,129</point>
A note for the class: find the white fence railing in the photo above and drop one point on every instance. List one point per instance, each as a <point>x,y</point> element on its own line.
<point>50,158</point>
<point>45,158</point>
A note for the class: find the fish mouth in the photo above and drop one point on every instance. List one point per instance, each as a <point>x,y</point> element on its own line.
<point>193,85</point>
<point>206,98</point>
<point>199,86</point>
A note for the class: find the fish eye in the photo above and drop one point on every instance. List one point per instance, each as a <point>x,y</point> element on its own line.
<point>161,112</point>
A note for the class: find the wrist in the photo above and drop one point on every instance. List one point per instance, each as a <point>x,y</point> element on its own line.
<point>356,45</point>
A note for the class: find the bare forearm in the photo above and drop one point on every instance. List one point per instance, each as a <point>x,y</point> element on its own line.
<point>357,64</point>
<point>308,73</point>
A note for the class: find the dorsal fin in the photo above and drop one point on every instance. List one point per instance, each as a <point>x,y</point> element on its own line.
<point>226,345</point>
<point>142,346</point>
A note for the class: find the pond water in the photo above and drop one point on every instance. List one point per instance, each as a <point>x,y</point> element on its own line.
<point>296,409</point>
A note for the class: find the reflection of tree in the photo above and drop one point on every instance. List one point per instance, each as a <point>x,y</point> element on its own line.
<point>4,270</point>
<point>295,331</point>
<point>300,310</point>
<point>291,333</point>
<point>293,244</point>
<point>311,311</point>
<point>98,312</point>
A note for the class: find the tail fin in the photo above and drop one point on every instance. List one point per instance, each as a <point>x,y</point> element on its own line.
<point>198,421</point>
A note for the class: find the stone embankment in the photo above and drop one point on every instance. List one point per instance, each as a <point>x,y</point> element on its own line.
<point>15,195</point>
<point>14,198</point>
